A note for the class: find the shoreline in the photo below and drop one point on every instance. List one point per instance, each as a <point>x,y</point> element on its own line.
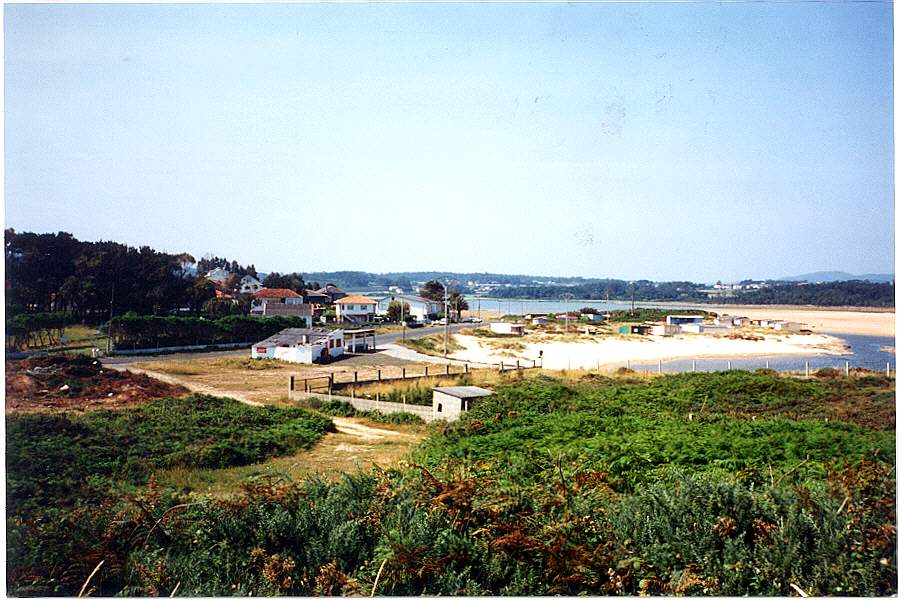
<point>617,351</point>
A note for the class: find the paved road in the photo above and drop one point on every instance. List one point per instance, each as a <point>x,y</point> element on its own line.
<point>387,338</point>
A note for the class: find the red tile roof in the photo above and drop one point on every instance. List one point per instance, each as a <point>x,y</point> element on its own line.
<point>276,293</point>
<point>356,300</point>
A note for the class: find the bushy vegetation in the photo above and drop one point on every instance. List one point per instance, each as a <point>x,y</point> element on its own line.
<point>431,344</point>
<point>726,483</point>
<point>650,314</point>
<point>136,331</point>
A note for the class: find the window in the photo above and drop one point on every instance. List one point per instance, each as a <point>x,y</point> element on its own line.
<point>439,407</point>
<point>339,343</point>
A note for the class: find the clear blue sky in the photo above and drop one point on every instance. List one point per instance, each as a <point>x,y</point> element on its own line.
<point>697,141</point>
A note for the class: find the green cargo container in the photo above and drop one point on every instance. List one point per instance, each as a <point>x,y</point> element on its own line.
<point>634,329</point>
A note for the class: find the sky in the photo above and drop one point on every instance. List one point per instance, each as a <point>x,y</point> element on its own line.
<point>665,141</point>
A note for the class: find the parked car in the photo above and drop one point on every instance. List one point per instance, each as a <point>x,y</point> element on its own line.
<point>412,324</point>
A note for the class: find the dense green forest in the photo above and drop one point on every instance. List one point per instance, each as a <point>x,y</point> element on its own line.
<point>837,293</point>
<point>727,483</point>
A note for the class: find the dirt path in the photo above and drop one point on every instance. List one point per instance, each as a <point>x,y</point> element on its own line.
<point>355,446</point>
<point>190,385</point>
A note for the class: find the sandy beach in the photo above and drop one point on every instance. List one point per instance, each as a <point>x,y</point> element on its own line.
<point>838,320</point>
<point>616,351</point>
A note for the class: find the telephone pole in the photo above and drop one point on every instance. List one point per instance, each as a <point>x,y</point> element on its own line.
<point>446,325</point>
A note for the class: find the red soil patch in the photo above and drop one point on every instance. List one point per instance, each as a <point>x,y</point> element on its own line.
<point>57,383</point>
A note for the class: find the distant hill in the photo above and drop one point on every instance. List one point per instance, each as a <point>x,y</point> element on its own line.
<point>826,276</point>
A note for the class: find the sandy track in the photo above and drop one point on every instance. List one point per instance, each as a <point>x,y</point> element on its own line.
<point>190,385</point>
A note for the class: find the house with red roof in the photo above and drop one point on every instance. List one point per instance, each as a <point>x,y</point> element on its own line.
<point>355,309</point>
<point>281,302</point>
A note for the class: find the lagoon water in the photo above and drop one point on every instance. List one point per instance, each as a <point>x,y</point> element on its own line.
<point>867,351</point>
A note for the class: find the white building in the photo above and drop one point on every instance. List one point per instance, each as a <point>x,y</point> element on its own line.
<point>788,326</point>
<point>250,285</point>
<point>448,402</point>
<point>420,308</point>
<point>301,345</point>
<point>684,319</point>
<point>665,329</point>
<point>539,321</point>
<point>270,302</point>
<point>692,327</point>
<point>355,309</point>
<point>506,328</point>
<point>741,321</point>
<point>218,275</point>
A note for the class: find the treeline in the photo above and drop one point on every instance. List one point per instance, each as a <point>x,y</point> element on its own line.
<point>132,331</point>
<point>836,293</point>
<point>54,272</point>
<point>607,289</point>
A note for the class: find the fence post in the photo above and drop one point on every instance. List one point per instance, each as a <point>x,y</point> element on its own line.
<point>330,383</point>
<point>628,363</point>
<point>887,370</point>
<point>290,386</point>
<point>378,374</point>
<point>426,369</point>
<point>501,366</point>
<point>659,365</point>
<point>517,365</point>
<point>355,376</point>
<point>693,365</point>
<point>305,385</point>
<point>846,368</point>
<point>807,369</point>
<point>403,372</point>
<point>447,368</point>
<point>466,368</point>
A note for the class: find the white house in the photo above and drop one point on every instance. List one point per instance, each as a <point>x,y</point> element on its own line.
<point>506,328</point>
<point>420,308</point>
<point>301,345</point>
<point>270,302</point>
<point>692,327</point>
<point>249,285</point>
<point>355,309</point>
<point>218,275</point>
<point>448,402</point>
<point>539,321</point>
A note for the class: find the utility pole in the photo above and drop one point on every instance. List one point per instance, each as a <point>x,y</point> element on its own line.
<point>402,316</point>
<point>567,298</point>
<point>109,329</point>
<point>446,326</point>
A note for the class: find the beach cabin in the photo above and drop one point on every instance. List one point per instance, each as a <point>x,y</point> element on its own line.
<point>724,320</point>
<point>450,402</point>
<point>506,328</point>
<point>692,328</point>
<point>788,326</point>
<point>535,315</point>
<point>592,317</point>
<point>634,329</point>
<point>539,321</point>
<point>684,319</point>
<point>741,321</point>
<point>665,329</point>
<point>301,345</point>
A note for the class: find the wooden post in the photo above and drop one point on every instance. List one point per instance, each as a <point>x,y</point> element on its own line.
<point>501,366</point>
<point>355,376</point>
<point>628,363</point>
<point>517,365</point>
<point>426,369</point>
<point>378,374</point>
<point>807,369</point>
<point>292,381</point>
<point>447,368</point>
<point>466,368</point>
<point>403,372</point>
<point>846,368</point>
<point>330,383</point>
<point>305,385</point>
